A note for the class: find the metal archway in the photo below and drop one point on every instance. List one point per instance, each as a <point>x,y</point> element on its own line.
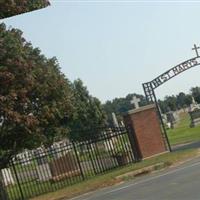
<point>149,87</point>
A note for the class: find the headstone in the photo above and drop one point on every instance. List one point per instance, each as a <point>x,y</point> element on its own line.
<point>195,117</point>
<point>27,175</point>
<point>122,124</point>
<point>194,105</point>
<point>24,158</point>
<point>40,156</point>
<point>115,122</point>
<point>171,119</point>
<point>106,163</point>
<point>100,146</point>
<point>44,172</point>
<point>164,118</point>
<point>109,144</point>
<point>168,124</point>
<point>7,177</point>
<point>1,121</point>
<point>64,147</point>
<point>59,149</point>
<point>63,167</point>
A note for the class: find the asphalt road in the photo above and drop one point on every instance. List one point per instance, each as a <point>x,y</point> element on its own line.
<point>180,183</point>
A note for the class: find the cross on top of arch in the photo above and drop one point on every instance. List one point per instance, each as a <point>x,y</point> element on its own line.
<point>195,48</point>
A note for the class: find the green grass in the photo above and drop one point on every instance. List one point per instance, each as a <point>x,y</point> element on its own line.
<point>182,133</point>
<point>92,183</point>
<point>109,178</point>
<point>35,188</point>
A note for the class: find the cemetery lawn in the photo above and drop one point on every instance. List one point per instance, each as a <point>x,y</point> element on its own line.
<point>182,133</point>
<point>109,178</point>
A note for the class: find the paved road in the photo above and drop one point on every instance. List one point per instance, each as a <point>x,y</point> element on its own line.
<point>186,146</point>
<point>181,183</point>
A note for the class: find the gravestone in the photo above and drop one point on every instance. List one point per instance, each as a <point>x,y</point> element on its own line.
<point>24,158</point>
<point>1,121</point>
<point>7,177</point>
<point>195,117</point>
<point>55,150</point>
<point>194,112</point>
<point>109,144</point>
<point>27,175</point>
<point>171,120</point>
<point>44,172</point>
<point>194,105</point>
<point>100,146</point>
<point>59,149</point>
<point>40,156</point>
<point>63,167</point>
<point>115,121</point>
<point>164,118</point>
<point>122,124</point>
<point>106,163</point>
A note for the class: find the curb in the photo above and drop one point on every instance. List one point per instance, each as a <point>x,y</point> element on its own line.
<point>142,171</point>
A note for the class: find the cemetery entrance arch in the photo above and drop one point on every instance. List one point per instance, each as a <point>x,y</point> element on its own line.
<point>149,87</point>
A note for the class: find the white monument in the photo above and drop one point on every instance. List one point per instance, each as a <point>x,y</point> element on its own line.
<point>115,122</point>
<point>135,101</point>
<point>44,172</point>
<point>7,177</point>
<point>194,105</point>
<point>24,157</point>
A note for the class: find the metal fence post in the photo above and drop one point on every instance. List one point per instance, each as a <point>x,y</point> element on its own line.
<point>78,160</point>
<point>3,193</point>
<point>134,143</point>
<point>17,179</point>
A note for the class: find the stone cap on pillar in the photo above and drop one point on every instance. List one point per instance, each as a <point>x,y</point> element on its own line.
<point>140,109</point>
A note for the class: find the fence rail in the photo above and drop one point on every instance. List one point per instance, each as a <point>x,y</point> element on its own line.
<point>65,163</point>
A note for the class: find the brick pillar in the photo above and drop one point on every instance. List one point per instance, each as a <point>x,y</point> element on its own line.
<point>146,130</point>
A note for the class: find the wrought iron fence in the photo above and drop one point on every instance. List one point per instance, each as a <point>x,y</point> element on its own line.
<point>64,163</point>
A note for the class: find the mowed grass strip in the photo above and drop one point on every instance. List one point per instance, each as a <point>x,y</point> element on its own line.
<point>182,133</point>
<point>109,178</point>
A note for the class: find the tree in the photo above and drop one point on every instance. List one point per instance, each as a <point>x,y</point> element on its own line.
<point>121,105</point>
<point>183,100</point>
<point>35,97</point>
<point>10,8</point>
<point>88,114</point>
<point>163,106</point>
<point>171,103</point>
<point>196,93</point>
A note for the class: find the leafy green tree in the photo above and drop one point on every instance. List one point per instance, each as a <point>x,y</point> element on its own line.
<point>188,100</point>
<point>171,103</point>
<point>35,97</point>
<point>163,106</point>
<point>121,105</point>
<point>196,93</point>
<point>10,8</point>
<point>183,100</point>
<point>88,114</point>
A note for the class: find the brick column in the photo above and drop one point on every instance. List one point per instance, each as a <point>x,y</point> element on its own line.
<point>146,130</point>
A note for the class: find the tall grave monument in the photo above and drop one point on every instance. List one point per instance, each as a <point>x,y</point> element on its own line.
<point>194,113</point>
<point>145,129</point>
<point>115,121</point>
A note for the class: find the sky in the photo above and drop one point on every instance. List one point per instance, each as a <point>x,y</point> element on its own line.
<point>115,46</point>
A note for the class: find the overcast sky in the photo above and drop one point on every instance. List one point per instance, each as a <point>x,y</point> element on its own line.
<point>115,46</point>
